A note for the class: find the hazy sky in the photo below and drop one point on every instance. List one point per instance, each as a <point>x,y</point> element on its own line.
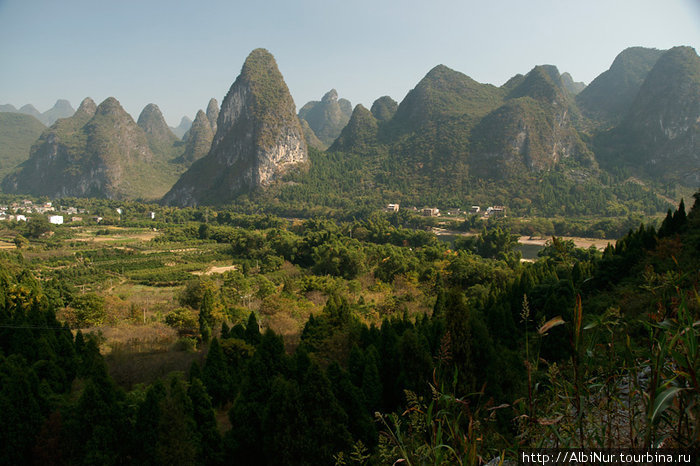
<point>179,54</point>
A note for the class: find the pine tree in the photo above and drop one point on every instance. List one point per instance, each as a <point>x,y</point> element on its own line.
<point>327,433</point>
<point>146,426</point>
<point>206,318</point>
<point>372,385</point>
<point>351,399</point>
<point>284,424</point>
<point>215,374</point>
<point>209,452</point>
<point>20,410</point>
<point>457,325</point>
<point>178,442</point>
<point>252,330</point>
<point>415,362</point>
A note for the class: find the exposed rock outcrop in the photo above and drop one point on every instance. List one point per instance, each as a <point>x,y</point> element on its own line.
<point>609,96</point>
<point>258,138</point>
<point>199,139</point>
<point>311,139</point>
<point>660,134</point>
<point>213,113</point>
<point>152,122</point>
<point>533,130</point>
<point>570,85</point>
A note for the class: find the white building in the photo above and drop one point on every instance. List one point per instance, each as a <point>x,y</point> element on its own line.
<point>20,218</point>
<point>56,219</point>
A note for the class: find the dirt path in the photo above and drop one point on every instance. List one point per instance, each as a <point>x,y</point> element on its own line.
<point>583,243</point>
<point>217,269</point>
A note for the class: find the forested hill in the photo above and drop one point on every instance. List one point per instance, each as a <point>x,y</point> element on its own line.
<point>629,139</point>
<point>540,144</point>
<point>509,355</point>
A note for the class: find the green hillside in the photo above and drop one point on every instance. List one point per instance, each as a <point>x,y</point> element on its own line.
<point>17,134</point>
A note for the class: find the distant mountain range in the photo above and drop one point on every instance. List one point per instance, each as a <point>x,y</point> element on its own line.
<point>181,129</point>
<point>101,152</point>
<point>326,118</point>
<point>539,138</point>
<point>17,134</point>
<point>61,109</point>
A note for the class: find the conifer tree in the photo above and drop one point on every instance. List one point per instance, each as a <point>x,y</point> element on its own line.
<point>209,452</point>
<point>284,425</point>
<point>215,374</point>
<point>206,318</point>
<point>178,442</point>
<point>327,433</point>
<point>372,384</point>
<point>252,330</point>
<point>146,426</point>
<point>457,325</point>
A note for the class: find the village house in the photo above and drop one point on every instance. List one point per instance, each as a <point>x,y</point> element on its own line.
<point>56,219</point>
<point>454,211</point>
<point>430,212</point>
<point>391,208</point>
<point>475,209</point>
<point>496,211</point>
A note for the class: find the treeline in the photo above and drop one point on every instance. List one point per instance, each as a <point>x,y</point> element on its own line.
<point>511,355</point>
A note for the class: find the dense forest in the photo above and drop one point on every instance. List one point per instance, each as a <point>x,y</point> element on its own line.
<point>470,354</point>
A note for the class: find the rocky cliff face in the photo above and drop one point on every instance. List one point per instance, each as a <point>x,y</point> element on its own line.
<point>328,117</point>
<point>199,139</point>
<point>534,129</point>
<point>609,96</point>
<point>570,85</point>
<point>163,143</point>
<point>213,113</point>
<point>98,152</point>
<point>311,139</point>
<point>152,122</point>
<point>258,138</point>
<point>660,134</point>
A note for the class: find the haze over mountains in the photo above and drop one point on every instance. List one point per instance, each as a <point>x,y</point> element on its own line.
<point>100,152</point>
<point>328,117</point>
<point>61,109</point>
<point>450,138</point>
